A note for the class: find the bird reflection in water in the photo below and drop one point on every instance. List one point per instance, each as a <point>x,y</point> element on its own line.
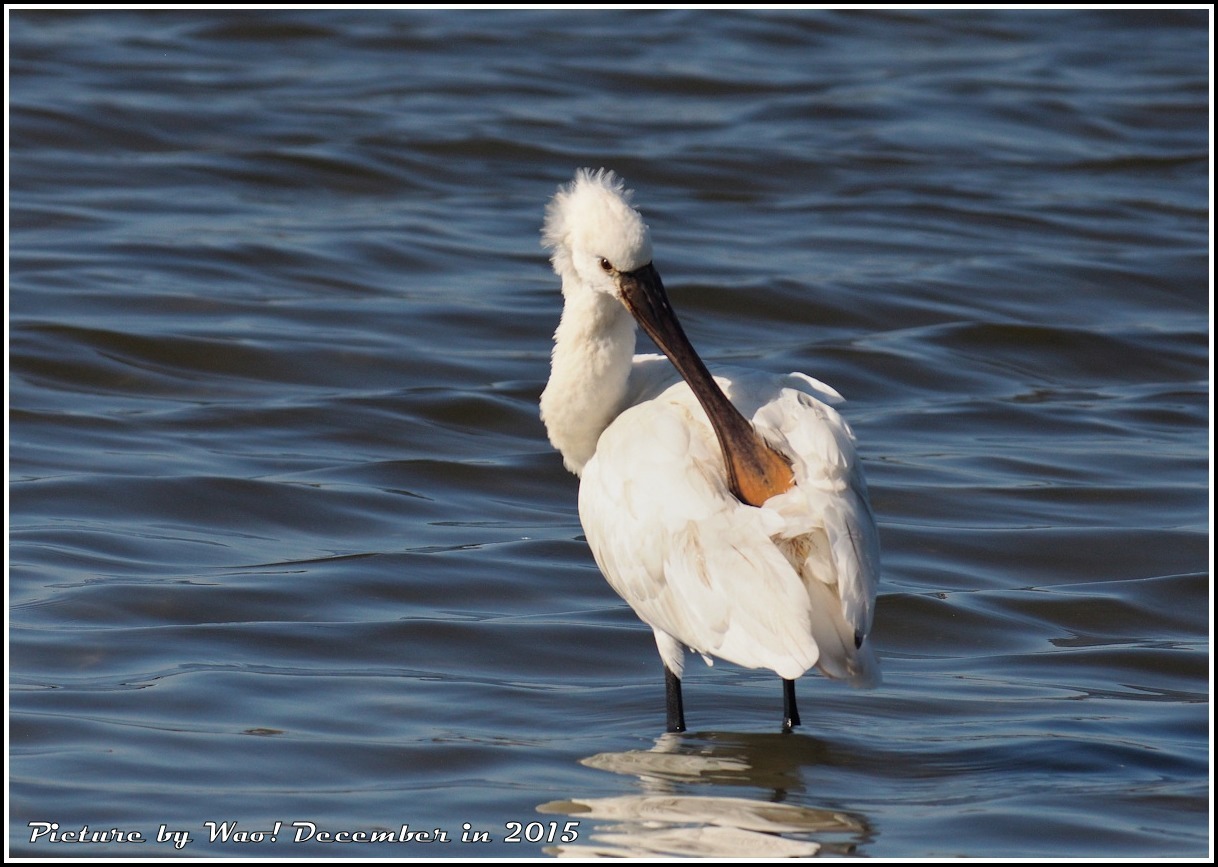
<point>670,818</point>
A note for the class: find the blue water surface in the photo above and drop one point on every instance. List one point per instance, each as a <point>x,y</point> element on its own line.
<point>290,555</point>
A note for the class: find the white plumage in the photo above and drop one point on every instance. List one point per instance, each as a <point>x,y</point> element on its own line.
<point>788,584</point>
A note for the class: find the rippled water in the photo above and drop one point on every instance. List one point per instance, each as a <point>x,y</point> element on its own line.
<point>288,544</point>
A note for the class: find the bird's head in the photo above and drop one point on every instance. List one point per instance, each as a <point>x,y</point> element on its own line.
<point>601,245</point>
<point>594,234</point>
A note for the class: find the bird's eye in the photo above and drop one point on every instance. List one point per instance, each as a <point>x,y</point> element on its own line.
<point>606,265</point>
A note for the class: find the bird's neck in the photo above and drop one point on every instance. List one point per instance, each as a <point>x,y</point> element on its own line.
<point>593,351</point>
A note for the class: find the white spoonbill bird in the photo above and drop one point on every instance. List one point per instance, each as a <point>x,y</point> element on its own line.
<point>730,511</point>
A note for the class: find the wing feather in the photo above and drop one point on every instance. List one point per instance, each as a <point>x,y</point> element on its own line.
<point>785,586</point>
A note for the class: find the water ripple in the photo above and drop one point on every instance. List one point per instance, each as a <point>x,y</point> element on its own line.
<point>286,537</point>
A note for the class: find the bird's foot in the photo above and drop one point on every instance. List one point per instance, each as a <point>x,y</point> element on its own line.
<point>674,707</point>
<point>790,710</point>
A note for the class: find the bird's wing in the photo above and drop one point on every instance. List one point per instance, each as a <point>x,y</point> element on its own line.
<point>697,564</point>
<point>828,518</point>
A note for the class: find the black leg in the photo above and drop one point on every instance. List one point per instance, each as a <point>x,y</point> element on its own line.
<point>672,701</point>
<point>790,713</point>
